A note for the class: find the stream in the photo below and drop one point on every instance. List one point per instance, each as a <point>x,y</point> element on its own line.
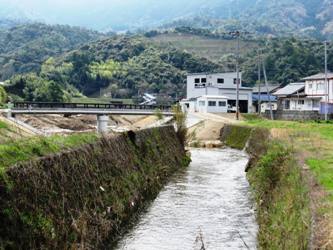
<point>208,204</point>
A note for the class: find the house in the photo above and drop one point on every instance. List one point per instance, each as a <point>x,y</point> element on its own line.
<point>320,93</point>
<point>293,97</point>
<point>218,85</point>
<point>265,95</point>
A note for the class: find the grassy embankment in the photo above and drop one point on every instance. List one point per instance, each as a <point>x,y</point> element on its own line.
<point>16,151</point>
<point>9,132</point>
<point>299,145</point>
<point>281,195</point>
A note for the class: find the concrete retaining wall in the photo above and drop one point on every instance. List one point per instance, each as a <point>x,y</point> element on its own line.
<point>293,115</point>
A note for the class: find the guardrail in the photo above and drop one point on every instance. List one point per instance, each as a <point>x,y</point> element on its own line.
<point>98,106</point>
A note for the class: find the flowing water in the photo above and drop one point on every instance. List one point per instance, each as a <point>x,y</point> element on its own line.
<point>207,204</point>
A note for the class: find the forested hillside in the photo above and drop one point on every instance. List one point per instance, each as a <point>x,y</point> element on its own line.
<point>288,60</point>
<point>52,63</point>
<point>121,66</point>
<point>24,47</point>
<point>310,18</point>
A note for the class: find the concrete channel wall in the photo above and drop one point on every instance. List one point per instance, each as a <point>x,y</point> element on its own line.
<point>80,199</point>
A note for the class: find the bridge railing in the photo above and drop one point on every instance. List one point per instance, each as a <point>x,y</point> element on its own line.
<point>97,106</point>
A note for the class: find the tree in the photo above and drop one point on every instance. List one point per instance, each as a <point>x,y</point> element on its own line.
<point>55,93</point>
<point>3,95</point>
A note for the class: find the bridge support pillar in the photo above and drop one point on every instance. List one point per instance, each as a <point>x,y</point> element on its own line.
<point>102,123</point>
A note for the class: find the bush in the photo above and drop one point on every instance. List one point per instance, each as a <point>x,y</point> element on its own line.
<point>180,119</point>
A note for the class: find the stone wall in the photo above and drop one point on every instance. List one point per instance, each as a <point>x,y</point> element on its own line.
<point>80,199</point>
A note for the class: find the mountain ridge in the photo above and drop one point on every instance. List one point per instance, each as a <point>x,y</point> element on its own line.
<point>305,17</point>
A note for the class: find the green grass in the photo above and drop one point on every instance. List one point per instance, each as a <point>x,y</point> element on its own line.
<point>3,125</point>
<point>103,100</point>
<point>313,143</point>
<point>321,128</point>
<point>27,149</point>
<point>236,137</point>
<point>323,170</point>
<point>283,212</point>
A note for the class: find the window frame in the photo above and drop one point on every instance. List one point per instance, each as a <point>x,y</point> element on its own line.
<point>220,80</point>
<point>224,103</point>
<point>301,102</point>
<point>210,104</point>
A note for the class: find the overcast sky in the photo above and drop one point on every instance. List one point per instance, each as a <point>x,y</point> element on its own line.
<point>100,13</point>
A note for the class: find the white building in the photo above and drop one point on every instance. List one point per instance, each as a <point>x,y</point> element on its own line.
<point>207,104</point>
<point>310,95</point>
<point>315,87</point>
<point>220,84</point>
<point>293,97</point>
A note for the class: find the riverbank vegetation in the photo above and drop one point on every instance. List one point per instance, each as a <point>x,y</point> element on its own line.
<point>283,212</point>
<point>310,145</point>
<point>283,205</point>
<point>16,151</point>
<point>82,195</point>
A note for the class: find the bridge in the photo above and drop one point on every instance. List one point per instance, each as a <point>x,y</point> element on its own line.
<point>102,111</point>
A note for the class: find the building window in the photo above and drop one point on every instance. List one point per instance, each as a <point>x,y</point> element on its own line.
<point>203,80</point>
<point>300,102</point>
<point>287,104</point>
<point>220,80</point>
<point>197,80</point>
<point>202,103</point>
<point>212,103</point>
<point>222,104</point>
<point>316,103</point>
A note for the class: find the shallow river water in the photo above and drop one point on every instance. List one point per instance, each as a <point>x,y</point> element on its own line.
<point>208,203</point>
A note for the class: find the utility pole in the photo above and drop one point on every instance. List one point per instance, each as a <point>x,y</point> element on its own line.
<point>269,95</point>
<point>259,82</point>
<point>326,84</point>
<point>237,34</point>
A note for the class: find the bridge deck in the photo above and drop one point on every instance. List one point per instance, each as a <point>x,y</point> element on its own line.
<point>88,108</point>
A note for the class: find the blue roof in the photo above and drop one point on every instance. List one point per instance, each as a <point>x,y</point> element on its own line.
<point>264,98</point>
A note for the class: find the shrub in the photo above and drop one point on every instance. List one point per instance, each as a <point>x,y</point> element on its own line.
<point>180,120</point>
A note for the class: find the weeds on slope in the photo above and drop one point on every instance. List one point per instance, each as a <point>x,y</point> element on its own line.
<point>312,142</point>
<point>282,197</point>
<point>17,151</point>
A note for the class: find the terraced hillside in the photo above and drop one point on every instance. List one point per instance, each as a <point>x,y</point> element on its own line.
<point>213,49</point>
